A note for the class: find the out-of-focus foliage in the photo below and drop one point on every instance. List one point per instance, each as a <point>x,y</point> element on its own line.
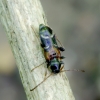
<point>76,23</point>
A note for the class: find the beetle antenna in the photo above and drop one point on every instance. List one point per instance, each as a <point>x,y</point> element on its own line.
<point>42,82</point>
<point>52,74</point>
<point>73,70</point>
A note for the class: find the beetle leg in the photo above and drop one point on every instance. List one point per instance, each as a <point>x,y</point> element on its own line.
<point>42,45</point>
<point>61,68</point>
<point>62,57</point>
<point>61,48</point>
<point>45,73</point>
<point>37,66</point>
<point>61,62</point>
<point>48,63</point>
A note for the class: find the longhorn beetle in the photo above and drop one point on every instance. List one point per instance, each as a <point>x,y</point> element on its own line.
<point>51,51</point>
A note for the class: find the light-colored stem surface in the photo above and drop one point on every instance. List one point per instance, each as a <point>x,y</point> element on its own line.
<point>18,18</point>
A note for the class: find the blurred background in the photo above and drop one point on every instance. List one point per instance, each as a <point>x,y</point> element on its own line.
<point>77,25</point>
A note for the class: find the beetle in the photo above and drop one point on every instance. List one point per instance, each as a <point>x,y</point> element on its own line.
<point>51,51</point>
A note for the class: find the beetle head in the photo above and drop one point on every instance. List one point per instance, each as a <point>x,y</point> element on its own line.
<point>55,67</point>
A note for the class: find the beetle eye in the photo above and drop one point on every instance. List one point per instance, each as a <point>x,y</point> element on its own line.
<point>55,68</point>
<point>54,54</point>
<point>56,71</point>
